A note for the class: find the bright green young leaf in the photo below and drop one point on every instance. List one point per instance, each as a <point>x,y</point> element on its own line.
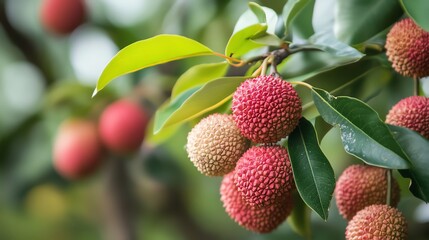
<point>313,174</point>
<point>300,217</point>
<point>363,133</point>
<point>417,149</point>
<point>198,75</point>
<point>257,14</point>
<point>359,20</point>
<point>241,41</point>
<point>196,101</point>
<point>258,11</point>
<point>150,52</point>
<point>418,10</point>
<point>291,9</point>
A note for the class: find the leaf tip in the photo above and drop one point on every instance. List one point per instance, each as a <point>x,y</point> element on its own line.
<point>94,93</point>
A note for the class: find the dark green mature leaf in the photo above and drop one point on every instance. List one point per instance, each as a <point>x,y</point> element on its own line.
<point>301,26</point>
<point>359,20</point>
<point>327,42</point>
<point>418,10</point>
<point>198,75</point>
<point>300,217</point>
<point>417,149</point>
<point>196,101</point>
<point>290,10</point>
<point>313,174</point>
<point>150,52</point>
<point>363,133</point>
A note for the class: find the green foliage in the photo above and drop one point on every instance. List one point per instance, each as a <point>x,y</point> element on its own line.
<point>417,10</point>
<point>314,177</point>
<point>323,53</point>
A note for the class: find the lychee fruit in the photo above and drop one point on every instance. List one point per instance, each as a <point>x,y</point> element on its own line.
<point>377,222</point>
<point>263,174</point>
<point>122,126</point>
<point>77,150</point>
<point>215,144</point>
<point>411,112</point>
<point>258,219</point>
<point>266,109</point>
<point>407,47</point>
<point>62,16</point>
<point>360,186</point>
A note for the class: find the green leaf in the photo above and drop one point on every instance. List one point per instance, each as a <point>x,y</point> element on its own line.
<point>417,149</point>
<point>313,174</point>
<point>359,20</point>
<point>290,10</point>
<point>301,26</point>
<point>198,75</point>
<point>363,133</point>
<point>241,41</point>
<point>327,42</point>
<point>257,14</point>
<point>300,217</point>
<point>418,10</point>
<point>150,52</point>
<point>196,101</point>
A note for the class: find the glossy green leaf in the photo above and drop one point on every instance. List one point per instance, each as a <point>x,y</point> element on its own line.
<point>300,217</point>
<point>290,10</point>
<point>417,149</point>
<point>257,14</point>
<point>313,174</point>
<point>196,101</point>
<point>359,20</point>
<point>363,133</point>
<point>301,26</point>
<point>418,10</point>
<point>327,42</point>
<point>198,75</point>
<point>241,41</point>
<point>150,52</point>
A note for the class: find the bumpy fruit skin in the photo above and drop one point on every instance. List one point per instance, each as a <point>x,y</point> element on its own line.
<point>122,126</point>
<point>77,149</point>
<point>263,174</point>
<point>266,109</point>
<point>62,16</point>
<point>407,47</point>
<point>360,186</point>
<point>411,112</point>
<point>262,220</point>
<point>215,144</point>
<point>377,222</point>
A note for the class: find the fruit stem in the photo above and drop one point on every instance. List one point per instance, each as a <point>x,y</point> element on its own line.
<point>389,187</point>
<point>416,86</point>
<point>232,61</point>
<point>303,84</point>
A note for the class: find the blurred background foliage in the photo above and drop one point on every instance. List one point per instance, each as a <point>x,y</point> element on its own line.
<point>156,194</point>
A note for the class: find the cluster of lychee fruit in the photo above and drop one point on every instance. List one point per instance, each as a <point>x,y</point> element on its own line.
<point>80,143</point>
<point>242,147</point>
<point>361,194</point>
<point>407,47</point>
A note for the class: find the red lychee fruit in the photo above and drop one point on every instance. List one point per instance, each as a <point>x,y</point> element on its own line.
<point>258,219</point>
<point>62,16</point>
<point>263,174</point>
<point>77,149</point>
<point>407,47</point>
<point>411,112</point>
<point>360,186</point>
<point>122,126</point>
<point>377,222</point>
<point>266,109</point>
<point>215,144</point>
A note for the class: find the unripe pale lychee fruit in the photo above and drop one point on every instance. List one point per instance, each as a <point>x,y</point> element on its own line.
<point>122,126</point>
<point>266,109</point>
<point>62,16</point>
<point>411,112</point>
<point>377,222</point>
<point>407,47</point>
<point>77,149</point>
<point>258,219</point>
<point>360,186</point>
<point>215,144</point>
<point>263,174</point>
